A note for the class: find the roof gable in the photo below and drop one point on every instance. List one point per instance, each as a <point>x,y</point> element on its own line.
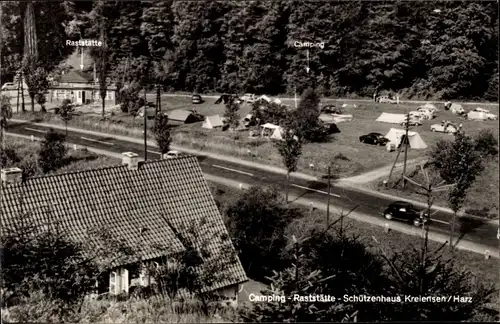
<point>76,77</point>
<point>161,197</point>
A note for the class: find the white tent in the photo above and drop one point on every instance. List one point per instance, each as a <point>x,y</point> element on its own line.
<point>349,106</point>
<point>391,118</point>
<point>273,131</point>
<point>212,122</point>
<point>277,101</point>
<point>430,106</point>
<point>396,135</point>
<point>456,109</point>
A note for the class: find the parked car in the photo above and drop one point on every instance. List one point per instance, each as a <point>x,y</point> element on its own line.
<point>444,128</point>
<point>426,113</point>
<point>487,113</point>
<point>172,154</point>
<point>374,139</point>
<point>331,109</point>
<point>248,97</point>
<point>196,99</point>
<point>403,211</point>
<point>385,99</point>
<point>414,121</point>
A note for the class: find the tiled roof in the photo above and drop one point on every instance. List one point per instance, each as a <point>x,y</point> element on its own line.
<point>76,76</point>
<point>162,196</point>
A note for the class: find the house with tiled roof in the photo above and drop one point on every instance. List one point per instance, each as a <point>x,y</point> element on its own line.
<point>147,204</point>
<point>81,88</point>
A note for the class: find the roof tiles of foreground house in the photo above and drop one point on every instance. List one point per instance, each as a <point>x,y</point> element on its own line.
<point>148,202</point>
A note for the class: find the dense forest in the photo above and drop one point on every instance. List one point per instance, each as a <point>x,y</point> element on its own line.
<point>420,49</point>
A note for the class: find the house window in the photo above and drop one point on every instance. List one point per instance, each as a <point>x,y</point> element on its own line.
<point>112,282</point>
<point>79,94</point>
<point>125,280</point>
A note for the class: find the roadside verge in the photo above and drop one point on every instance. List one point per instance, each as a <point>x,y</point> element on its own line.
<point>362,217</point>
<point>341,183</point>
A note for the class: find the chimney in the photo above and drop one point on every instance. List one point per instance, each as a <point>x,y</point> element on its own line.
<point>131,159</point>
<point>12,175</point>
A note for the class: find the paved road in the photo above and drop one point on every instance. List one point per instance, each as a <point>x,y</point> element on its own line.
<point>165,95</point>
<point>470,229</point>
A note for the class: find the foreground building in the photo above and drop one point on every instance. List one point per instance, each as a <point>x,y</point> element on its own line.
<point>145,204</point>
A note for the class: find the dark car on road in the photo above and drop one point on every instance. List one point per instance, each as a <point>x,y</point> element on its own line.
<point>331,109</point>
<point>374,139</point>
<point>403,211</point>
<point>196,99</point>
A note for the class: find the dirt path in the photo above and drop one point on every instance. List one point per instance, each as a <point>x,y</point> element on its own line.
<point>380,172</point>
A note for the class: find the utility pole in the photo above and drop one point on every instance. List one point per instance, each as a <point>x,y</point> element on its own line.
<point>158,100</point>
<point>407,142</point>
<point>328,199</point>
<point>145,126</point>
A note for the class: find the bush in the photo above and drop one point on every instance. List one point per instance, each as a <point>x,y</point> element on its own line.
<point>257,223</point>
<point>486,143</point>
<point>37,259</point>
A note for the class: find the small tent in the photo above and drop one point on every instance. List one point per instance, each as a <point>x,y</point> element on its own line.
<point>391,118</point>
<point>457,109</point>
<point>213,122</point>
<point>180,116</point>
<point>430,106</point>
<point>271,131</point>
<point>395,136</point>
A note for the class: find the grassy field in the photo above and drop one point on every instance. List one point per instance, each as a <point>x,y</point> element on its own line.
<point>355,158</point>
<point>485,271</point>
<point>81,159</point>
<point>482,199</point>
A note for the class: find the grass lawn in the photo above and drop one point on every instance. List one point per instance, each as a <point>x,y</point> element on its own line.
<point>482,199</point>
<point>356,157</point>
<point>78,160</point>
<point>482,270</point>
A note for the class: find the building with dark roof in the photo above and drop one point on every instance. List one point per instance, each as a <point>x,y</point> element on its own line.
<point>81,88</point>
<point>150,204</point>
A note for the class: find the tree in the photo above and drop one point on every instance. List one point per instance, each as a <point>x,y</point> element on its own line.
<point>458,162</point>
<point>295,281</point>
<point>52,151</point>
<point>162,134</point>
<point>305,120</point>
<point>38,84</point>
<point>231,114</point>
<point>290,149</point>
<point>66,112</point>
<point>257,223</point>
<point>5,115</point>
<point>439,277</point>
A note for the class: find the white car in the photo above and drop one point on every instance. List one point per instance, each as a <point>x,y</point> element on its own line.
<point>249,97</point>
<point>426,112</point>
<point>172,155</point>
<point>488,114</point>
<point>385,99</point>
<point>444,128</point>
